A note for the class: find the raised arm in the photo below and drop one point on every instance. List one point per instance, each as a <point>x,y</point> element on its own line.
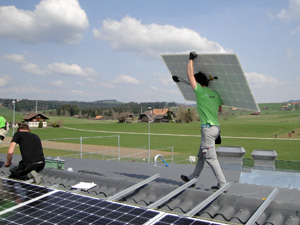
<point>190,70</point>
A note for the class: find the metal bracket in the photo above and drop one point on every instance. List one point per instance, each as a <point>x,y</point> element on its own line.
<point>262,207</point>
<point>172,194</point>
<point>132,188</point>
<point>208,200</point>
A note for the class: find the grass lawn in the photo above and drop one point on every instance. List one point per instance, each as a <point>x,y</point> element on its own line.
<point>237,130</point>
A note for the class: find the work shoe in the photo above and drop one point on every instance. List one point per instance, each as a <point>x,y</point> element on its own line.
<point>36,177</point>
<point>185,179</point>
<point>215,188</point>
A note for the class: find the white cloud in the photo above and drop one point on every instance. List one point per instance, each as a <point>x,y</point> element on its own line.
<point>4,80</point>
<point>57,83</point>
<point>51,21</point>
<point>32,69</point>
<point>28,89</point>
<point>257,80</point>
<point>78,92</point>
<point>79,83</point>
<point>154,88</point>
<point>73,69</point>
<point>105,85</point>
<point>296,30</point>
<point>131,35</point>
<point>15,58</point>
<point>293,11</point>
<point>125,79</point>
<point>165,79</point>
<point>60,68</point>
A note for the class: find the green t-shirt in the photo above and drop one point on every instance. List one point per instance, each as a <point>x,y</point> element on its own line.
<point>2,122</point>
<point>208,103</point>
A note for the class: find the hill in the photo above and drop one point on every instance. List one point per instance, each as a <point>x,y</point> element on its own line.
<point>31,105</point>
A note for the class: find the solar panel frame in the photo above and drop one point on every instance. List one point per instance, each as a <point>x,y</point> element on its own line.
<point>231,85</point>
<point>183,220</point>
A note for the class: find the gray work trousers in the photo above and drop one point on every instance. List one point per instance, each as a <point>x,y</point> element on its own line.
<point>207,152</point>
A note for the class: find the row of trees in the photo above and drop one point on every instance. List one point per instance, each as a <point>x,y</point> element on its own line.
<point>183,114</point>
<point>109,109</point>
<point>86,109</point>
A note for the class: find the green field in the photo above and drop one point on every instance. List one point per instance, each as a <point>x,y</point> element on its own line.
<point>240,129</point>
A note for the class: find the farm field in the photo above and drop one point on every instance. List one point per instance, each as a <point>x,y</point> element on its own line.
<point>241,129</point>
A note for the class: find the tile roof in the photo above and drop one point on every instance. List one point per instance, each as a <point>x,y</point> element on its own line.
<point>32,115</point>
<point>98,117</point>
<point>160,111</point>
<point>235,206</point>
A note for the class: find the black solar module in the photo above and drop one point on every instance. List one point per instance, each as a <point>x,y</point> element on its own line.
<point>13,193</point>
<point>23,203</point>
<point>20,205</point>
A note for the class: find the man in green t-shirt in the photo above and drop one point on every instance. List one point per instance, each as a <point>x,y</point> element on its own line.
<point>208,106</point>
<point>3,129</point>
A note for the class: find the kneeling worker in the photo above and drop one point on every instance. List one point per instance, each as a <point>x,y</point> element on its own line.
<point>32,154</point>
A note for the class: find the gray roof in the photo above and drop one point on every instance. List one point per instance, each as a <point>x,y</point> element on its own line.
<point>236,206</point>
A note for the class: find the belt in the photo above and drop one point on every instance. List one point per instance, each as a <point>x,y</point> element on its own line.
<point>207,125</point>
<point>39,162</point>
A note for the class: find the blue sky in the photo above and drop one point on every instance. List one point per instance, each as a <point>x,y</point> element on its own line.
<point>94,50</point>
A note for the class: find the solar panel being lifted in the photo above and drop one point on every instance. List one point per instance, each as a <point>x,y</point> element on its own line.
<point>225,73</point>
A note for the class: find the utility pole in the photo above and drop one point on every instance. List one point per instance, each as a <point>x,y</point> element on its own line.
<point>14,109</point>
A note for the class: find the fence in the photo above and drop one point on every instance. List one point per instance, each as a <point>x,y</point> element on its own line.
<point>143,154</point>
<point>101,147</point>
<point>279,164</point>
<point>108,148</point>
<point>83,146</point>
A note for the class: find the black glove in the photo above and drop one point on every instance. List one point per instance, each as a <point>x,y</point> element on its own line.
<point>193,55</point>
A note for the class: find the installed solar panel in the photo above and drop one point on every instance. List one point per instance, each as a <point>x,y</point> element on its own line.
<point>13,193</point>
<point>23,203</point>
<point>20,205</point>
<point>231,83</point>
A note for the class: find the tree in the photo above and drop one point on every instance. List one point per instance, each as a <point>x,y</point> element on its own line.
<point>122,117</point>
<point>186,115</point>
<point>40,124</point>
<point>169,115</point>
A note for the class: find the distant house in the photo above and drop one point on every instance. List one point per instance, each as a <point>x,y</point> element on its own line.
<point>286,107</point>
<point>34,119</point>
<point>145,117</point>
<point>126,117</point>
<point>255,113</point>
<point>156,116</point>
